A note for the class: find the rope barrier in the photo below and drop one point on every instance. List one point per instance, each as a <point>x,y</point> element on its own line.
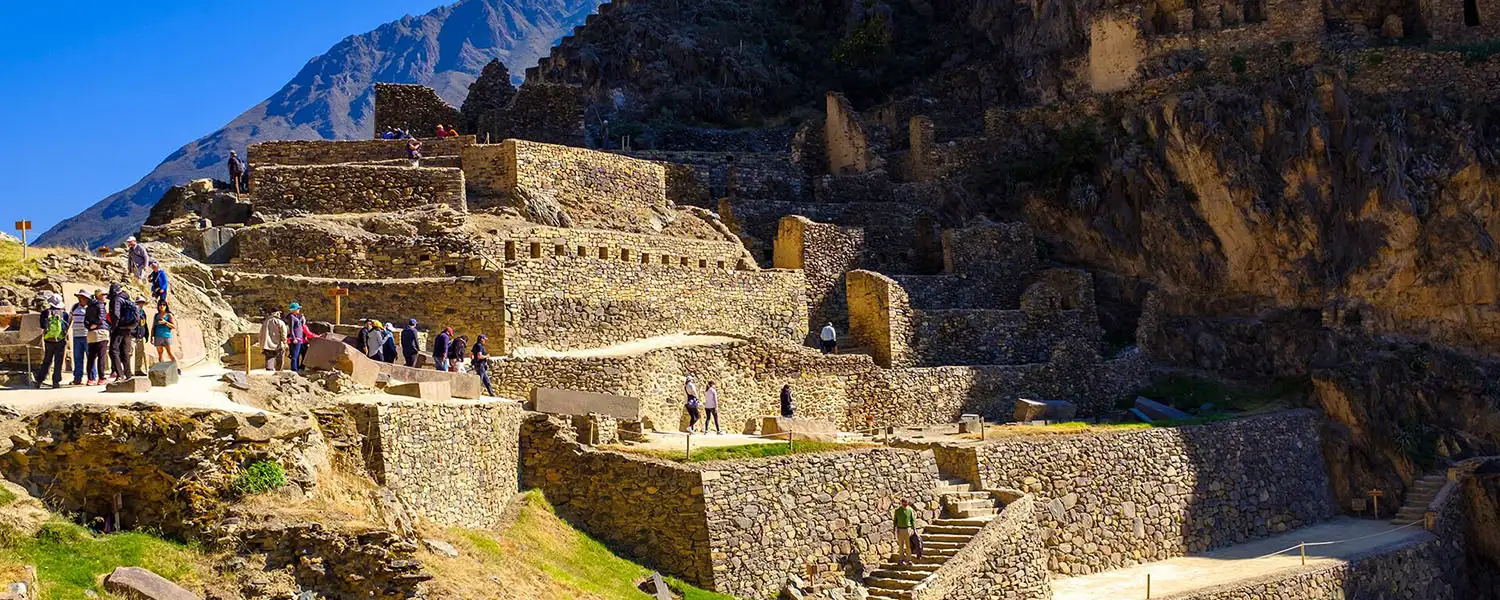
<point>1332,542</point>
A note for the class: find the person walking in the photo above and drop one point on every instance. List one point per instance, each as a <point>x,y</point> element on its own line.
<point>273,341</point>
<point>906,523</point>
<point>440,349</point>
<point>370,340</point>
<point>138,339</point>
<point>163,326</point>
<point>388,344</point>
<point>481,361</point>
<point>80,333</point>
<point>414,152</point>
<point>456,351</point>
<point>829,339</point>
<point>137,260</point>
<point>691,389</point>
<point>297,335</point>
<point>711,407</point>
<point>56,326</point>
<point>158,283</point>
<point>96,322</point>
<point>123,319</point>
<point>786,401</point>
<point>409,346</point>
<point>237,173</point>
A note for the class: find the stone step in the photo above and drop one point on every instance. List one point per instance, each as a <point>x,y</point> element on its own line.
<point>968,496</point>
<point>885,593</point>
<point>933,546</point>
<point>929,536</point>
<point>969,522</point>
<point>907,572</point>
<point>964,530</point>
<point>890,584</point>
<point>944,490</point>
<point>975,512</point>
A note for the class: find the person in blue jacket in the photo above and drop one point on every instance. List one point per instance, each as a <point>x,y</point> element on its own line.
<point>158,282</point>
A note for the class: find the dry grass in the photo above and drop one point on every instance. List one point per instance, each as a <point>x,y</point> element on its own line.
<point>743,451</point>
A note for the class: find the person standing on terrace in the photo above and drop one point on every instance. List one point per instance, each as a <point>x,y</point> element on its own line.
<point>829,339</point>
<point>409,347</point>
<point>298,335</point>
<point>711,407</point>
<point>414,152</point>
<point>906,522</point>
<point>481,358</point>
<point>440,349</point>
<point>237,173</point>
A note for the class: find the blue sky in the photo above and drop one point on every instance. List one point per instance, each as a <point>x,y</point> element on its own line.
<point>97,93</point>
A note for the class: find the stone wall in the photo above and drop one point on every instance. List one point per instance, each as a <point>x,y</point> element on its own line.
<point>415,108</point>
<point>541,242</point>
<point>844,133</point>
<point>651,510</point>
<point>584,180</point>
<point>329,152</point>
<point>702,178</point>
<point>320,247</point>
<point>1006,559</point>
<point>826,252</point>
<point>1001,250</point>
<point>582,302</point>
<point>846,390</point>
<point>471,305</point>
<point>880,317</point>
<point>540,112</point>
<point>486,169</point>
<point>1448,21</point>
<point>1113,500</point>
<point>899,228</point>
<point>768,518</point>
<point>457,465</point>
<point>355,188</point>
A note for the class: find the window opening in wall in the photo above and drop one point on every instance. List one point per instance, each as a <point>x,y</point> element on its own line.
<point>450,269</point>
<point>703,263</point>
<point>424,258</point>
<point>536,249</point>
<point>666,260</point>
<point>624,254</point>
<point>645,258</point>
<point>721,264</point>
<point>582,252</point>
<point>510,250</point>
<point>603,252</point>
<point>559,250</point>
<point>1471,13</point>
<point>684,261</point>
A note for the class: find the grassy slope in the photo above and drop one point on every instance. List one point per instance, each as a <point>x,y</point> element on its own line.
<point>541,557</point>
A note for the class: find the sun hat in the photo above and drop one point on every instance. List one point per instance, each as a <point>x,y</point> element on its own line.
<point>294,306</point>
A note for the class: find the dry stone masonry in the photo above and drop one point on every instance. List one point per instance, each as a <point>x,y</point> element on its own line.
<point>355,188</point>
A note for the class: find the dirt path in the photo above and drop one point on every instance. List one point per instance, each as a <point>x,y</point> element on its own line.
<point>1241,563</point>
<point>632,348</point>
<point>198,388</point>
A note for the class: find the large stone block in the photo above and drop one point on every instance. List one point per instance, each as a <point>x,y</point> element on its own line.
<point>1158,411</point>
<point>217,244</point>
<point>136,583</point>
<point>802,430</point>
<point>570,402</point>
<point>163,374</point>
<point>431,391</point>
<point>1051,410</point>
<point>134,385</point>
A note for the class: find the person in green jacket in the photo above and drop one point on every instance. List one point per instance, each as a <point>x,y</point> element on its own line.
<point>906,522</point>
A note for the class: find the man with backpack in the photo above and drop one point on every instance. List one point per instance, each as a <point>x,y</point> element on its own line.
<point>55,324</point>
<point>140,335</point>
<point>124,316</point>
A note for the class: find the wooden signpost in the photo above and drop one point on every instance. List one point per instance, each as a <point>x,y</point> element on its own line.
<point>23,227</point>
<point>338,295</point>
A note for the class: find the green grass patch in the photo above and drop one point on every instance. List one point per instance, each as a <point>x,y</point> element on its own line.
<point>745,451</point>
<point>70,560</point>
<point>260,477</point>
<point>6,496</point>
<point>1192,392</point>
<point>574,562</point>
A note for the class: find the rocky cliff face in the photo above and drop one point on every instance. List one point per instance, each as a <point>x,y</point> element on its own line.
<point>331,97</point>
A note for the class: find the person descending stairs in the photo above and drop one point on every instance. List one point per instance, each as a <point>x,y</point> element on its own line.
<point>1423,491</point>
<point>965,512</point>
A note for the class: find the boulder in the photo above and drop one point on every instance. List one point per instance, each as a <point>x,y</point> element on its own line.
<point>139,584</point>
<point>163,374</point>
<point>802,430</point>
<point>1051,410</point>
<point>1157,411</point>
<point>440,547</point>
<point>134,385</point>
<point>236,380</point>
<point>431,391</point>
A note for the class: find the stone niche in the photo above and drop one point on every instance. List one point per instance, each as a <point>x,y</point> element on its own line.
<point>1115,50</point>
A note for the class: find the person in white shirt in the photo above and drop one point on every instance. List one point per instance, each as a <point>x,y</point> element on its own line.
<point>830,339</point>
<point>692,403</point>
<point>711,408</point>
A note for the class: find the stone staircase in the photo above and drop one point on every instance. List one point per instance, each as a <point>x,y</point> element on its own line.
<point>1423,491</point>
<point>965,512</point>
